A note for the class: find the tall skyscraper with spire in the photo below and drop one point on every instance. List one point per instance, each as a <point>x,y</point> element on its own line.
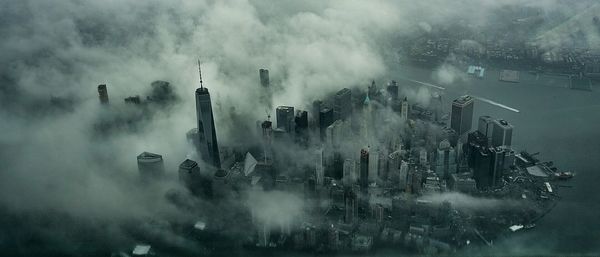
<point>207,136</point>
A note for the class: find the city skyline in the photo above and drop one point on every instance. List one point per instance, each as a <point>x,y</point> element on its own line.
<point>322,133</point>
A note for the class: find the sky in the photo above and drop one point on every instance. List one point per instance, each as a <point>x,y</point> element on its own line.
<point>54,161</point>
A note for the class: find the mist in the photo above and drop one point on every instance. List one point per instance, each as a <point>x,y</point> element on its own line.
<point>55,161</point>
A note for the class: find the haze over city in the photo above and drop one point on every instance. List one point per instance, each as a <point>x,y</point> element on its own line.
<point>252,128</point>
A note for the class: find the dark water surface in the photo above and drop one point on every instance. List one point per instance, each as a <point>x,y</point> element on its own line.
<point>562,124</point>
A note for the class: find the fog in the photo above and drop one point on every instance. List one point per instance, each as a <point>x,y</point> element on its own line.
<point>53,158</point>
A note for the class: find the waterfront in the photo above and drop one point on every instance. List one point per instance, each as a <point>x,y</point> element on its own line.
<point>561,123</point>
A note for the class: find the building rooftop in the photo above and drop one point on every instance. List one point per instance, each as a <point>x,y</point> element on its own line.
<point>343,91</point>
<point>188,164</point>
<point>202,91</point>
<point>463,100</point>
<point>149,156</point>
<point>503,123</point>
<point>141,250</point>
<point>287,108</point>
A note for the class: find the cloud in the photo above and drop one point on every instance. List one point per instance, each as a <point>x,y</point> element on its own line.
<point>274,208</point>
<point>54,160</point>
<point>448,74</point>
<point>472,203</point>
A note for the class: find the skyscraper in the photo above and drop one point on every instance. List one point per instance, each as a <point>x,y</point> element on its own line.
<point>437,106</point>
<point>192,138</point>
<point>349,172</point>
<point>319,169</point>
<point>499,156</point>
<point>103,94</point>
<point>337,166</point>
<point>207,135</point>
<point>489,165</point>
<point>301,123</point>
<point>481,165</point>
<point>336,133</point>
<point>150,165</point>
<point>394,165</point>
<point>404,109</point>
<point>475,141</point>
<point>403,177</point>
<point>267,132</point>
<point>364,169</point>
<point>220,188</point>
<point>333,238</point>
<point>462,114</point>
<point>264,77</point>
<point>189,175</point>
<point>342,107</point>
<point>325,119</point>
<point>445,160</point>
<point>502,133</point>
<point>315,112</point>
<point>350,205</point>
<point>485,126</point>
<point>373,164</point>
<point>285,118</point>
<point>392,89</point>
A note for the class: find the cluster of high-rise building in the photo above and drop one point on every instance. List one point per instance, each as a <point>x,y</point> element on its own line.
<point>364,179</point>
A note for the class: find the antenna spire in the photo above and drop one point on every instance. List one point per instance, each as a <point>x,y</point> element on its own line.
<point>200,73</point>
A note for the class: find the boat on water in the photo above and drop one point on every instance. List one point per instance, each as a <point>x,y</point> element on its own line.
<point>564,175</point>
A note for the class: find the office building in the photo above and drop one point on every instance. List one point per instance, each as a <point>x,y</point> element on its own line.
<point>364,169</point>
<point>349,172</point>
<point>445,160</point>
<point>190,177</point>
<point>285,118</point>
<point>315,113</point>
<point>462,114</point>
<point>301,123</point>
<point>403,178</point>
<point>378,212</point>
<point>150,165</point>
<point>333,238</point>
<point>336,133</point>
<point>394,165</point>
<point>475,141</point>
<point>382,171</point>
<point>342,108</point>
<point>392,89</point>
<point>337,167</point>
<point>319,167</point>
<point>325,120</point>
<point>267,137</point>
<point>103,94</point>
<point>193,138</point>
<point>437,106</point>
<point>485,126</point>
<point>373,164</point>
<point>350,206</point>
<point>482,167</point>
<point>264,77</point>
<point>207,135</point>
<point>404,109</point>
<point>462,182</point>
<point>220,185</point>
<point>502,133</point>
